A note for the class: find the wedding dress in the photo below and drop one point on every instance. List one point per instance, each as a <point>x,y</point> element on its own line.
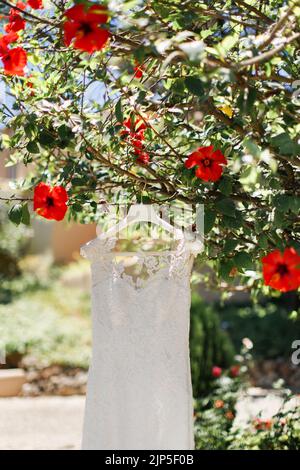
<point>139,393</point>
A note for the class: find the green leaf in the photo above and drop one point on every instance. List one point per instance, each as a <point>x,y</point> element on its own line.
<point>79,181</point>
<point>228,43</point>
<point>76,207</point>
<point>65,133</point>
<point>25,215</point>
<point>119,111</point>
<point>279,218</point>
<point>243,260</point>
<point>6,141</point>
<point>195,86</point>
<point>226,206</point>
<point>263,241</point>
<point>225,268</point>
<point>209,220</point>
<point>295,204</point>
<point>33,147</point>
<point>225,185</point>
<point>252,93</point>
<point>252,147</point>
<point>45,139</point>
<point>282,202</point>
<point>178,86</point>
<point>15,214</point>
<point>285,144</point>
<point>230,245</point>
<point>231,222</point>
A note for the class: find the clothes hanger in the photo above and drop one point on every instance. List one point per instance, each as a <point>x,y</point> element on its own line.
<point>142,213</point>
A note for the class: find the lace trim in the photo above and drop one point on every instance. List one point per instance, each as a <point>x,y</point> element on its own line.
<point>174,265</point>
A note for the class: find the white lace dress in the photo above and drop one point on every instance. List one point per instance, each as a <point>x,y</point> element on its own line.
<point>139,386</point>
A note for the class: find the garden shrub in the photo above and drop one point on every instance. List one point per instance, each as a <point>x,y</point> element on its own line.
<point>215,412</point>
<point>37,327</point>
<point>209,344</point>
<point>14,242</point>
<point>267,325</point>
<point>282,432</point>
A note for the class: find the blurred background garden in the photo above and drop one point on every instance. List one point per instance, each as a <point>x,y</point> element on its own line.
<point>245,384</point>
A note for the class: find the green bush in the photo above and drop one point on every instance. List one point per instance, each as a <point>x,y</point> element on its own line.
<point>209,345</point>
<point>35,325</point>
<point>215,413</point>
<point>282,432</point>
<point>267,325</point>
<point>14,242</point>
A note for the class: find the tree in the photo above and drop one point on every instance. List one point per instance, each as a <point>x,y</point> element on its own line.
<point>123,100</point>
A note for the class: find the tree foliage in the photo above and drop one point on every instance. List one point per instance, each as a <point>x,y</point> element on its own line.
<point>221,73</point>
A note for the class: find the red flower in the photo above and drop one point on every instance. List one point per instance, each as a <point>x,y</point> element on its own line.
<point>219,404</point>
<point>134,134</point>
<point>143,157</point>
<point>229,415</point>
<point>16,21</point>
<point>21,5</point>
<point>35,4</point>
<point>235,371</point>
<point>6,40</point>
<point>50,202</point>
<point>208,163</point>
<point>282,271</point>
<point>14,61</point>
<point>28,84</point>
<point>262,424</point>
<point>216,372</point>
<point>138,70</point>
<point>134,126</point>
<point>82,27</point>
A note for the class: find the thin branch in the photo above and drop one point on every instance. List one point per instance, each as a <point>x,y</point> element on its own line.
<point>28,14</point>
<point>13,198</point>
<point>267,55</point>
<point>254,10</point>
<point>277,27</point>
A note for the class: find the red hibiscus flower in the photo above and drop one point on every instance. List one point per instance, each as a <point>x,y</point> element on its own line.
<point>142,157</point>
<point>21,5</point>
<point>134,134</point>
<point>216,372</point>
<point>138,70</point>
<point>234,371</point>
<point>50,202</point>
<point>6,40</point>
<point>83,30</point>
<point>282,271</point>
<point>35,4</point>
<point>14,61</point>
<point>134,126</point>
<point>16,21</point>
<point>208,163</point>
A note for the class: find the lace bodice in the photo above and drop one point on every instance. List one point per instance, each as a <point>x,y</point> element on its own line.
<point>161,265</point>
<point>139,389</point>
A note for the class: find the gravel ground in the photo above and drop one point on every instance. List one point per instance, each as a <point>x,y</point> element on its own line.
<point>42,423</point>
